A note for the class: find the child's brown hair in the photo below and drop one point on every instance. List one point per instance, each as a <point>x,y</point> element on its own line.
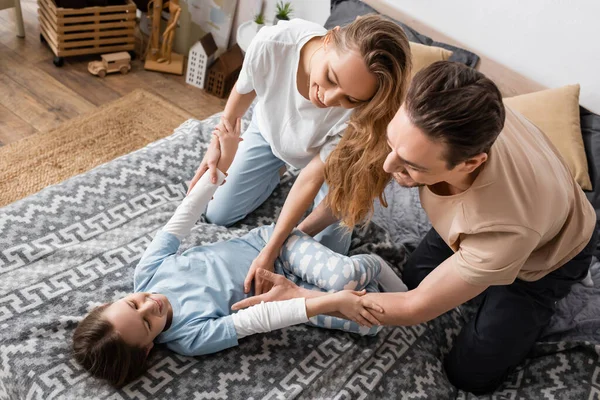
<point>101,350</point>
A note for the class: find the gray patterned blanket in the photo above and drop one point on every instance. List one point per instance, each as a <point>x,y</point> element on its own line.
<point>75,245</point>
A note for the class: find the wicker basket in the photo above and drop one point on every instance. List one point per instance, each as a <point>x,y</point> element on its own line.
<point>89,30</point>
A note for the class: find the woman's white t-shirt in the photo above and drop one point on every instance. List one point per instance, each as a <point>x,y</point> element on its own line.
<point>295,128</point>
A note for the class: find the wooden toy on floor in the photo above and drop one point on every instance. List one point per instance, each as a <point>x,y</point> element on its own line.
<point>112,62</point>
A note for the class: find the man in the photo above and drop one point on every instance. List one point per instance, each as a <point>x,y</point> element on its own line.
<point>510,224</point>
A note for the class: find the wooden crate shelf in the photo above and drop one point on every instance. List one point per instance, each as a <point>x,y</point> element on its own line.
<point>89,30</point>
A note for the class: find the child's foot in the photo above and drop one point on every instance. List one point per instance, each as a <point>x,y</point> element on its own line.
<point>387,278</point>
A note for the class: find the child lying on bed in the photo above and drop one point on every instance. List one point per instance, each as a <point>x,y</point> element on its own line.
<point>184,301</point>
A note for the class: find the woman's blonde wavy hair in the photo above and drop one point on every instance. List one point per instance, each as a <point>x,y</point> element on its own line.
<point>354,170</point>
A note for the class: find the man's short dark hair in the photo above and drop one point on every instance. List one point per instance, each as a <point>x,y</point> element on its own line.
<point>458,106</point>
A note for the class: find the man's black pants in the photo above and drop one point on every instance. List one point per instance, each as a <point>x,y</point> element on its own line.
<point>509,320</point>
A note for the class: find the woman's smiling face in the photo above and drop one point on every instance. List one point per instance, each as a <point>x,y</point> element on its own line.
<point>339,79</point>
<point>139,317</point>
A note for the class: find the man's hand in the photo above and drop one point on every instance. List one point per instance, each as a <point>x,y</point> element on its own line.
<point>264,262</point>
<point>282,289</point>
<point>355,307</point>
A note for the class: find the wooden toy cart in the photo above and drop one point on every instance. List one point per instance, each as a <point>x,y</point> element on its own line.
<point>89,30</point>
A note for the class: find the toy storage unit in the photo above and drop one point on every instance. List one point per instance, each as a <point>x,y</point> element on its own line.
<point>88,30</point>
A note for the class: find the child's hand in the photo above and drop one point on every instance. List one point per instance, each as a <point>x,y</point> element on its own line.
<point>356,308</point>
<point>229,138</point>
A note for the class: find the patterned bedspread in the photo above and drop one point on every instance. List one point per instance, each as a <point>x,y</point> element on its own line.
<point>75,245</point>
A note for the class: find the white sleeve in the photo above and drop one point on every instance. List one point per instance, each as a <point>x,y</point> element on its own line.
<point>267,317</point>
<point>192,207</point>
<point>255,64</point>
<point>328,147</point>
<point>245,82</point>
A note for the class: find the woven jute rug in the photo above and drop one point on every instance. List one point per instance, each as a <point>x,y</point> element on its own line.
<point>82,143</point>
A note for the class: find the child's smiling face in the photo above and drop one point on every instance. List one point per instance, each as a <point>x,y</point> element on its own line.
<point>140,317</point>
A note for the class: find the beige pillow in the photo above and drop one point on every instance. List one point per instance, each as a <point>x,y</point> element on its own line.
<point>556,113</point>
<point>423,56</point>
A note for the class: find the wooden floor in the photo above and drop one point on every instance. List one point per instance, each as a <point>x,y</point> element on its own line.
<point>36,96</point>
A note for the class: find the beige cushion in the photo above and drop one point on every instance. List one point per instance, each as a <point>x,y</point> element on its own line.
<point>423,56</point>
<point>556,113</point>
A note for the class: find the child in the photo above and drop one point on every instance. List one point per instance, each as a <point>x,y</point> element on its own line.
<point>312,86</point>
<point>184,301</point>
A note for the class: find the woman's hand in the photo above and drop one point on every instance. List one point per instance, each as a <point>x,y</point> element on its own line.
<point>264,261</point>
<point>229,139</point>
<point>282,289</point>
<point>209,162</point>
<point>211,158</point>
<point>355,307</point>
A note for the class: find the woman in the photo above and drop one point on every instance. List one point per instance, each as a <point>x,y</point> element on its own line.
<point>315,89</point>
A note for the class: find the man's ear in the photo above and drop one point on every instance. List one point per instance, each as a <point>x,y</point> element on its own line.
<point>473,163</point>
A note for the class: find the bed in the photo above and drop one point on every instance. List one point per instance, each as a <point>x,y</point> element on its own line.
<point>75,245</point>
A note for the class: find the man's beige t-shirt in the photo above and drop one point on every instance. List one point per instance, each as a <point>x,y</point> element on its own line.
<point>524,215</point>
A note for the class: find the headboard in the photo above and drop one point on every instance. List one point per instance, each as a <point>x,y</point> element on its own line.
<point>509,82</point>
